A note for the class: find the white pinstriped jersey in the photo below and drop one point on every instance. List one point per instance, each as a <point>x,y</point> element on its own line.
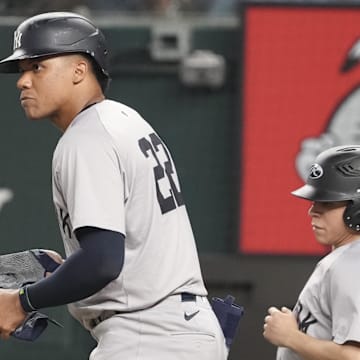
<point>112,171</point>
<point>328,307</point>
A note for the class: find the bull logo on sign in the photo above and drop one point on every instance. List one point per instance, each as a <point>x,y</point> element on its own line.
<point>343,126</point>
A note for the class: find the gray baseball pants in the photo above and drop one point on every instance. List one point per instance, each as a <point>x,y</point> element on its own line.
<point>171,330</point>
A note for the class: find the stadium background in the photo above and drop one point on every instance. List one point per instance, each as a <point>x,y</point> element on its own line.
<point>234,147</point>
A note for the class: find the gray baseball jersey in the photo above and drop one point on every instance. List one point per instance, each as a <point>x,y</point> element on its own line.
<point>112,171</point>
<point>328,307</point>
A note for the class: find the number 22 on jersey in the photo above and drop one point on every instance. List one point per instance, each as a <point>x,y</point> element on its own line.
<point>168,193</point>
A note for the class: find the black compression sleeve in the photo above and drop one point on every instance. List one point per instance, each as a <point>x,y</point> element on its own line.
<point>92,267</point>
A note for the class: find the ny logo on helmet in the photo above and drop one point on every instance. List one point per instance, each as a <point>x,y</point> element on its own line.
<point>17,39</point>
<point>316,171</point>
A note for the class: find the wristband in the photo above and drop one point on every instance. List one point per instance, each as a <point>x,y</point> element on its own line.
<point>25,301</point>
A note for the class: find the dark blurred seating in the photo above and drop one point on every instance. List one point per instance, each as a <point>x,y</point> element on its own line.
<point>30,7</point>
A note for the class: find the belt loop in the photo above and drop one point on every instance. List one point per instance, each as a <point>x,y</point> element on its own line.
<point>187,297</point>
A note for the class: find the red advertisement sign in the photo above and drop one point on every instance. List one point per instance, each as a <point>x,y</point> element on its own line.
<point>301,95</point>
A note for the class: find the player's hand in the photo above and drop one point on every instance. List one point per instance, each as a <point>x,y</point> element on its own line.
<point>56,257</point>
<point>280,326</point>
<point>11,312</point>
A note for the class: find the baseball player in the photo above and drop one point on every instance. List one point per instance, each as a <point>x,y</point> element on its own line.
<point>325,322</point>
<point>131,274</point>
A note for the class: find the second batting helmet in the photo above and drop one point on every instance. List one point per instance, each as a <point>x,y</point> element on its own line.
<point>57,33</point>
<point>335,176</point>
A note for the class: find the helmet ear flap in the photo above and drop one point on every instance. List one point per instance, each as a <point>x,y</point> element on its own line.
<point>351,215</point>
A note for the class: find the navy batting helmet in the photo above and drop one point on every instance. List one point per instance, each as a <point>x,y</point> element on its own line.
<point>57,33</point>
<point>335,176</point>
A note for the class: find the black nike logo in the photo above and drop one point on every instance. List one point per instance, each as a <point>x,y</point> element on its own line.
<point>190,316</point>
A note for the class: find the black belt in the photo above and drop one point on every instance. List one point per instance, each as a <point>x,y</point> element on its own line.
<point>187,297</point>
<point>104,316</point>
<point>108,314</point>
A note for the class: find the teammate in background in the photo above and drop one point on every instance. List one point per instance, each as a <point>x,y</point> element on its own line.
<point>325,323</point>
<point>132,274</point>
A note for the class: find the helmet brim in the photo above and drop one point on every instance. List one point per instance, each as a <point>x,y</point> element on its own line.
<point>309,192</point>
<point>11,63</point>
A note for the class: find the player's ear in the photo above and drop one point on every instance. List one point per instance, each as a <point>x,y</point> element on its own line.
<point>80,69</point>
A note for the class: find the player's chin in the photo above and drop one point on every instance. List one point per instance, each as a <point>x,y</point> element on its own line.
<point>323,240</point>
<point>33,115</point>
<point>319,236</point>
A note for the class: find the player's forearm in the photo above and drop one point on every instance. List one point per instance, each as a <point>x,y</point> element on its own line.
<point>310,348</point>
<point>84,273</point>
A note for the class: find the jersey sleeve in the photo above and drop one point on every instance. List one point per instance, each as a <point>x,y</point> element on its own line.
<point>344,298</point>
<point>91,182</point>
